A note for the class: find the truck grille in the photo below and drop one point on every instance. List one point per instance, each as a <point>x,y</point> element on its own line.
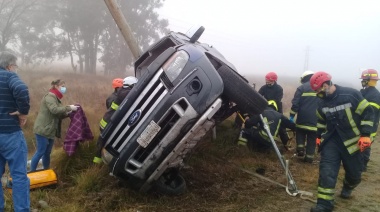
<point>150,97</point>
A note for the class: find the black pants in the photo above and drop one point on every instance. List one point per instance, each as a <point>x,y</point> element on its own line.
<point>306,137</point>
<point>255,141</point>
<point>284,136</point>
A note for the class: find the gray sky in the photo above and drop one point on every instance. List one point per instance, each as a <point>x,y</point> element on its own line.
<point>259,36</point>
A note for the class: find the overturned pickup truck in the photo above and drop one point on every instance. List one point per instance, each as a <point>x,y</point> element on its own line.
<point>185,87</point>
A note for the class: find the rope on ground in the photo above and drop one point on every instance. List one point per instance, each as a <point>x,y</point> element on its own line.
<point>305,195</point>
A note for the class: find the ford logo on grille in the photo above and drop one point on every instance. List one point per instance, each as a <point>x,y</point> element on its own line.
<point>134,118</point>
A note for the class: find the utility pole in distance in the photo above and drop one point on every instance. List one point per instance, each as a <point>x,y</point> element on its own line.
<point>125,30</point>
<point>306,64</point>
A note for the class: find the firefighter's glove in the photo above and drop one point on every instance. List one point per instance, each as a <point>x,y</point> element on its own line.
<point>364,143</point>
<point>318,142</point>
<point>291,119</point>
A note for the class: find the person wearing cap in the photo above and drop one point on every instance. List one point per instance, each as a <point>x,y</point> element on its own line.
<point>255,136</point>
<point>344,124</point>
<point>304,104</point>
<point>116,84</point>
<point>369,79</point>
<point>128,84</point>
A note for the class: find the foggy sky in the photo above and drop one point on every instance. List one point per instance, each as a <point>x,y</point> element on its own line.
<point>260,36</point>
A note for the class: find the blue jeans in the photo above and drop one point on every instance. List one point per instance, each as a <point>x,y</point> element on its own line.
<point>13,150</point>
<point>44,147</point>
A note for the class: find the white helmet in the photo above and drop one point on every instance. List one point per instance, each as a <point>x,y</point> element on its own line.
<point>306,73</point>
<point>129,81</point>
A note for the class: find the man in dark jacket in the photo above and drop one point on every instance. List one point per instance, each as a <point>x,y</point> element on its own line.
<point>372,95</point>
<point>273,91</point>
<point>345,122</point>
<point>14,108</point>
<point>128,84</point>
<point>304,104</point>
<point>116,84</point>
<point>255,134</point>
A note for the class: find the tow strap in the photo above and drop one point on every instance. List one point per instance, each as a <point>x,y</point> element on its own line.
<point>306,195</point>
<point>290,187</point>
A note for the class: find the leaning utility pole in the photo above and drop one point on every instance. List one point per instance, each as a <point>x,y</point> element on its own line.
<point>125,30</point>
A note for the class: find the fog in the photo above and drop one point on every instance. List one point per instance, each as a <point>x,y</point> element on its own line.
<point>287,37</point>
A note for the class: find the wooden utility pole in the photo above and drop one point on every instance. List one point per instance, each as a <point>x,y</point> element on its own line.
<point>125,30</point>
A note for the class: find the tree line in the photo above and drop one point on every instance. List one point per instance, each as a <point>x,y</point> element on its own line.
<point>84,31</point>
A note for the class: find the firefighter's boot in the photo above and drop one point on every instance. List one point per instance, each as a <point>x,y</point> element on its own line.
<point>319,208</point>
<point>346,193</point>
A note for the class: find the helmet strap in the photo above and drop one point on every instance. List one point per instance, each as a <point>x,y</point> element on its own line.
<point>364,83</point>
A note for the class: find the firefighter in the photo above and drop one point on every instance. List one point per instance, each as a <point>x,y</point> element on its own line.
<point>304,104</point>
<point>254,133</point>
<point>273,91</point>
<point>372,95</point>
<point>344,124</point>
<point>116,84</point>
<point>128,84</point>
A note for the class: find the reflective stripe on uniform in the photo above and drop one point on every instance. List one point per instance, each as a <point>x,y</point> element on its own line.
<point>326,193</point>
<point>306,127</point>
<point>374,105</point>
<point>369,123</point>
<point>322,126</point>
<point>309,94</point>
<point>352,144</point>
<point>361,107</point>
<point>309,156</point>
<point>352,122</point>
<point>114,106</point>
<point>373,135</point>
<point>319,115</point>
<point>102,124</point>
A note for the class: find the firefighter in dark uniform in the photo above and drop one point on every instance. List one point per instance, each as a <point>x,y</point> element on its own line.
<point>273,91</point>
<point>254,133</point>
<point>128,84</point>
<point>304,104</point>
<point>344,122</point>
<point>116,84</point>
<point>372,95</point>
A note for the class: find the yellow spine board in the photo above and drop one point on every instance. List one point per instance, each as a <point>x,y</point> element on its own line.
<point>40,178</point>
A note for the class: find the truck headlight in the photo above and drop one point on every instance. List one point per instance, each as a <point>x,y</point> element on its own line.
<point>175,65</point>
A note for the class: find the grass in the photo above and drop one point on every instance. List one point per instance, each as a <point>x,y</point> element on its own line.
<point>214,171</point>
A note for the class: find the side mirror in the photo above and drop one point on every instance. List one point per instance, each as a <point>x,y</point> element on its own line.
<point>194,33</point>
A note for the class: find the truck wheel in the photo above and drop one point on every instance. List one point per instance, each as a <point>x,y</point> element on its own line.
<point>171,184</point>
<point>240,92</point>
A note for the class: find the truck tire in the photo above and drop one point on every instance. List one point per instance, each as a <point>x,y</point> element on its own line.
<point>240,92</point>
<point>171,184</point>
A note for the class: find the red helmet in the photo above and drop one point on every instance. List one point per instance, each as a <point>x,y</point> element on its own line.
<point>369,74</point>
<point>271,76</point>
<point>317,80</point>
<point>117,83</point>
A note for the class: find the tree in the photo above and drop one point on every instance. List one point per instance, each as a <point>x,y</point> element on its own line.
<point>12,14</point>
<point>82,30</point>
